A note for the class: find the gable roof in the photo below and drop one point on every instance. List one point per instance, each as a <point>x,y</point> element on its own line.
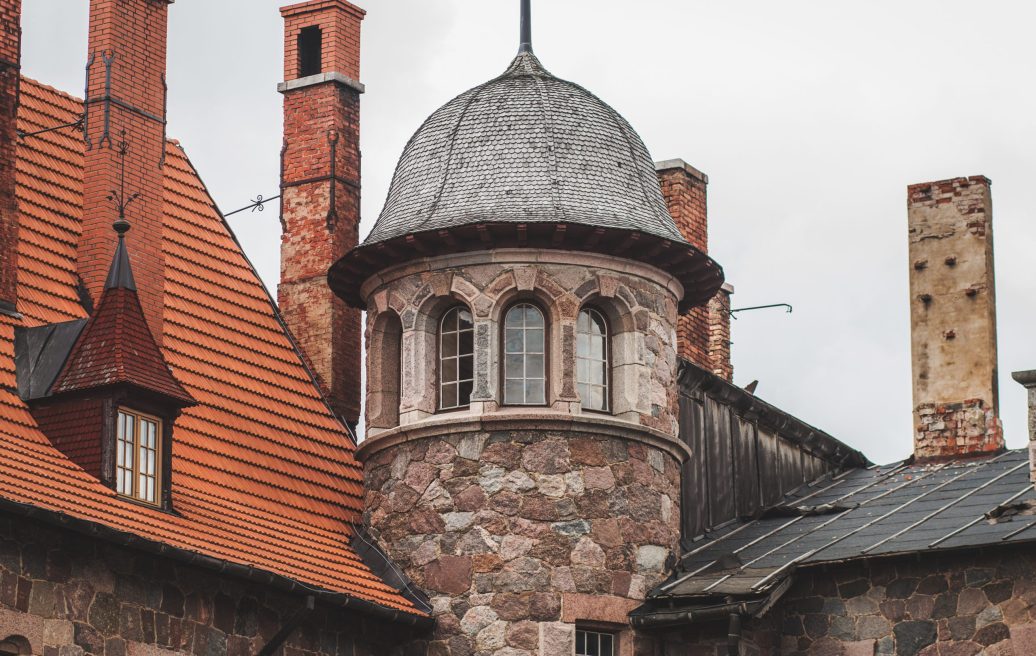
<point>864,513</point>
<point>264,475</point>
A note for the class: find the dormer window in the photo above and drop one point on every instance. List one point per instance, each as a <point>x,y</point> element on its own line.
<point>137,456</point>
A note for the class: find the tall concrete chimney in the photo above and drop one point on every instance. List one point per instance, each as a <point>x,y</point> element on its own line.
<point>1028,381</point>
<point>125,104</point>
<point>10,78</point>
<point>953,320</point>
<point>320,186</point>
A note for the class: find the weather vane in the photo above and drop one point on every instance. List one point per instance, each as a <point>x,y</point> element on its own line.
<point>119,196</point>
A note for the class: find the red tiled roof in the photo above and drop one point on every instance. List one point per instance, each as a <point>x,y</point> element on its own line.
<point>264,475</point>
<point>115,348</point>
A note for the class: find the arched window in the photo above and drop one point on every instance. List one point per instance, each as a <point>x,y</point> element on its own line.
<point>15,646</point>
<point>525,356</point>
<point>456,358</point>
<point>592,361</point>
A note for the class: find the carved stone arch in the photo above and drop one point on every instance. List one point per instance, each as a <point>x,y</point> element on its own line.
<point>626,349</point>
<point>421,355</point>
<point>385,370</point>
<point>15,645</point>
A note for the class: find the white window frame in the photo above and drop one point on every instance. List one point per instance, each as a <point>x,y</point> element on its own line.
<point>586,362</point>
<point>524,354</point>
<point>456,358</point>
<point>130,481</point>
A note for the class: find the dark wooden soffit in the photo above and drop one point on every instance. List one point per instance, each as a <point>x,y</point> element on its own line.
<point>700,275</point>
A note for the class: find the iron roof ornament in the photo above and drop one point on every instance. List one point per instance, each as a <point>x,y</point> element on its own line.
<point>526,36</point>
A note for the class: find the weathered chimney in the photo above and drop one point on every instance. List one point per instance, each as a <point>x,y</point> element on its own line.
<point>953,319</point>
<point>125,106</point>
<point>320,182</point>
<point>719,333</point>
<point>685,190</point>
<point>10,77</point>
<point>1028,380</point>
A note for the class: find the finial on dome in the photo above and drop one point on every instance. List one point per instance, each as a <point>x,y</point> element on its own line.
<point>526,44</point>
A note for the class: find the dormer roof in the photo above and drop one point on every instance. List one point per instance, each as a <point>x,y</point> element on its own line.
<point>116,347</point>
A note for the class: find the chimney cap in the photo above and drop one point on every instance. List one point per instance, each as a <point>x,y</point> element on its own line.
<point>1026,378</point>
<point>670,164</point>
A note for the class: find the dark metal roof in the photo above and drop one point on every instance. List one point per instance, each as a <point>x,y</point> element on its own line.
<point>40,353</point>
<point>525,147</point>
<point>120,275</point>
<point>880,511</point>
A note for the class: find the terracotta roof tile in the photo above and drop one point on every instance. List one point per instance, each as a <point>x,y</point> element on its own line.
<point>263,473</point>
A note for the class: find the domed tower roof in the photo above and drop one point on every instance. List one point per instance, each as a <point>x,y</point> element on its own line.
<point>531,161</point>
<point>526,147</point>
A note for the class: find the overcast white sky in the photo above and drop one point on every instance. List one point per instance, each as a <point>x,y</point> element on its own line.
<point>810,116</point>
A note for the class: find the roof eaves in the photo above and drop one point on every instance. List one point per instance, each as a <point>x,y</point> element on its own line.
<point>415,619</point>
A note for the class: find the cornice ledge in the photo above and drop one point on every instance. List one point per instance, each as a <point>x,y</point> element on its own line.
<point>543,421</point>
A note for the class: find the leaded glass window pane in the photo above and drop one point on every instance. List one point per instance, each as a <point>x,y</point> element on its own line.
<point>525,356</point>
<point>592,361</point>
<point>456,359</point>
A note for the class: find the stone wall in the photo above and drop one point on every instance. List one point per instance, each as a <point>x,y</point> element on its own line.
<point>518,534</point>
<point>71,595</point>
<point>942,605</point>
<point>638,301</point>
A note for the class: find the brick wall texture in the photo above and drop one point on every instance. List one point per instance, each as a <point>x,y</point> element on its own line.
<point>320,213</point>
<point>953,318</point>
<point>133,33</point>
<point>704,332</point>
<point>719,335</point>
<point>10,58</point>
<point>71,595</point>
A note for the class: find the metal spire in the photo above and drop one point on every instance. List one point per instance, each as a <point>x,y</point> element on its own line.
<point>526,45</point>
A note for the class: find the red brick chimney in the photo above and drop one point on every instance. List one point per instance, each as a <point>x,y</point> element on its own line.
<point>719,333</point>
<point>125,103</point>
<point>320,182</point>
<point>10,76</point>
<point>685,190</point>
<point>953,319</point>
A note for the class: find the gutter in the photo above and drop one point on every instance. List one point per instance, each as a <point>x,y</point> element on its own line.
<point>673,619</point>
<point>219,566</point>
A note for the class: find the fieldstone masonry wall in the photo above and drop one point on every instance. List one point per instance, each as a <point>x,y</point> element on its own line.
<point>71,595</point>
<point>946,605</point>
<point>517,534</point>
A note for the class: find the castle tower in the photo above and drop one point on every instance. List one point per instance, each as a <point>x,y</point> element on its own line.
<point>523,286</point>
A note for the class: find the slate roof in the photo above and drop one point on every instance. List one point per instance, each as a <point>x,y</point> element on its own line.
<point>525,147</point>
<point>880,511</point>
<point>264,475</point>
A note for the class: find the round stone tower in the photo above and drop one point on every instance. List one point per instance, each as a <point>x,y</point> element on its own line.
<point>522,285</point>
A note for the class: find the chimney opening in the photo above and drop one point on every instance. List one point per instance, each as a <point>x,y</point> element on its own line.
<point>311,43</point>
<point>951,261</point>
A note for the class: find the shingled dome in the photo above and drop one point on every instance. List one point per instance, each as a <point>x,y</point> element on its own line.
<point>525,159</point>
<point>525,147</point>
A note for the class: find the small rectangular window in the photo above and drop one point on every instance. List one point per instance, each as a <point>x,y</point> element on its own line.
<point>311,45</point>
<point>594,643</point>
<point>138,456</point>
